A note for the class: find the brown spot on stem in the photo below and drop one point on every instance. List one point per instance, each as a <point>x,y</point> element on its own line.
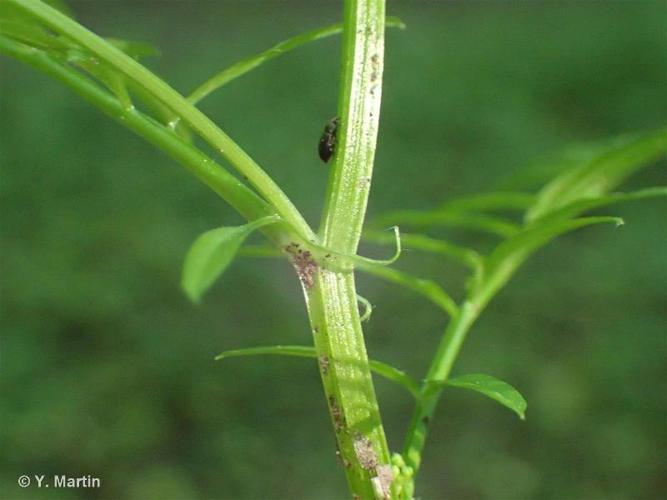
<point>324,364</point>
<point>375,60</point>
<point>305,265</point>
<point>366,455</point>
<point>337,414</point>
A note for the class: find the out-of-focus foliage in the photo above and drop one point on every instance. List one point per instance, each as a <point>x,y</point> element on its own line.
<point>108,370</point>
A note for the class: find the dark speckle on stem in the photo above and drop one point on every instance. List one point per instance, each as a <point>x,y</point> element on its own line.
<point>305,265</point>
<point>324,364</point>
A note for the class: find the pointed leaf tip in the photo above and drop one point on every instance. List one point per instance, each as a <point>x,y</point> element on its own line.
<point>496,389</point>
<point>501,264</point>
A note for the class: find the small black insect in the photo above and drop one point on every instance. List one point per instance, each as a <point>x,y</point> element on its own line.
<point>327,144</point>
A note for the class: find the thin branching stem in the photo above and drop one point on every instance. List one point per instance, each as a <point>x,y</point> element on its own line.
<point>179,105</point>
<point>239,196</point>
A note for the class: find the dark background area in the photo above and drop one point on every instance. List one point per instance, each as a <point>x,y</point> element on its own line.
<point>108,370</point>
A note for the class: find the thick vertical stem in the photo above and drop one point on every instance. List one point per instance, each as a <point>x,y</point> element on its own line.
<point>348,386</point>
<point>359,112</point>
<point>331,294</point>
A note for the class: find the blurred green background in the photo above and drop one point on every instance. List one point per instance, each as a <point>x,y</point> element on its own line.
<point>108,370</point>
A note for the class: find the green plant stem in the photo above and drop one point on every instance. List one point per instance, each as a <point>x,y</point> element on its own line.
<point>178,104</point>
<point>239,196</point>
<point>486,286</point>
<point>496,271</point>
<point>359,112</point>
<point>331,296</point>
<point>441,366</point>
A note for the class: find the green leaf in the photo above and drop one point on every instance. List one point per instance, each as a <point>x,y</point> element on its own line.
<point>211,254</point>
<point>577,207</point>
<point>136,50</point>
<point>597,174</point>
<point>425,243</point>
<point>510,254</point>
<point>110,76</point>
<point>30,33</point>
<point>427,288</point>
<point>105,74</point>
<point>383,369</point>
<point>157,110</point>
<point>492,387</point>
<point>501,200</point>
<point>395,375</point>
<point>249,63</point>
<point>546,168</point>
<point>450,218</point>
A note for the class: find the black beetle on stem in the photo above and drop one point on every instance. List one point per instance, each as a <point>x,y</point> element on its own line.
<point>327,145</point>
